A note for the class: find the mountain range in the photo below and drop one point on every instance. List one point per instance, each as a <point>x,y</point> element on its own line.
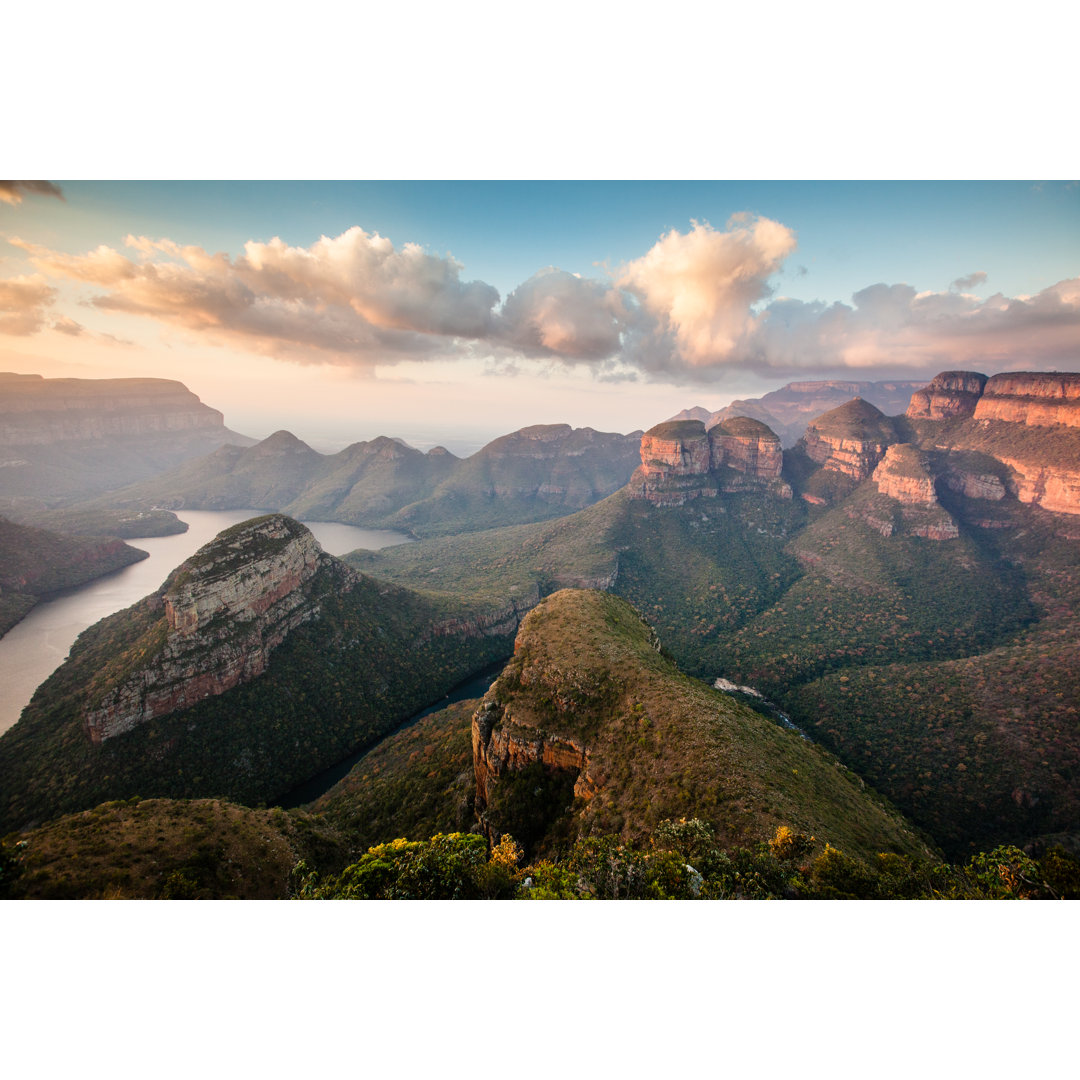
<point>864,643</point>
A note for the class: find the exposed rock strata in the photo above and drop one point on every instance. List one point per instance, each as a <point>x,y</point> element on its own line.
<point>903,475</point>
<point>850,440</point>
<point>681,461</point>
<point>1038,399</point>
<point>952,393</point>
<point>225,610</point>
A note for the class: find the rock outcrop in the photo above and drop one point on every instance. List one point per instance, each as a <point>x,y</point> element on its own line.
<point>849,440</point>
<point>1038,399</point>
<point>681,460</point>
<point>225,610</point>
<point>952,393</point>
<point>904,475</point>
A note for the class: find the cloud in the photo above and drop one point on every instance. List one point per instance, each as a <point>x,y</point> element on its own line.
<point>698,288</point>
<point>349,299</point>
<point>24,303</point>
<point>963,284</point>
<point>695,307</point>
<point>13,191</point>
<point>559,314</point>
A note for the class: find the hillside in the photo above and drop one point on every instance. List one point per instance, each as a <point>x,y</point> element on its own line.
<point>530,475</point>
<point>36,562</point>
<point>592,729</point>
<point>66,439</point>
<point>260,662</point>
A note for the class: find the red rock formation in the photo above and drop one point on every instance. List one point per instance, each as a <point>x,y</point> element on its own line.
<point>225,611</point>
<point>1039,399</point>
<point>850,440</point>
<point>680,461</point>
<point>903,475</point>
<point>1053,488</point>
<point>952,393</point>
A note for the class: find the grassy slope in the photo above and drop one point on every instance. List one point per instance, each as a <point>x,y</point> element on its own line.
<point>664,746</point>
<point>171,849</point>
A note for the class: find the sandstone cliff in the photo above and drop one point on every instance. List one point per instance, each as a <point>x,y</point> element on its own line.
<point>224,611</point>
<point>904,475</point>
<point>849,440</point>
<point>952,393</point>
<point>1039,399</point>
<point>681,460</point>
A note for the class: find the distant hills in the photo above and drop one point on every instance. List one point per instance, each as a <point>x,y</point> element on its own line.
<point>69,438</point>
<point>529,475</point>
<point>788,410</point>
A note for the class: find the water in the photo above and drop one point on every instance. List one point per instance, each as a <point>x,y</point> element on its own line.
<point>32,650</point>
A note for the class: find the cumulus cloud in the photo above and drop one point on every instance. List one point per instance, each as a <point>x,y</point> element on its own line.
<point>698,288</point>
<point>695,306</point>
<point>351,298</point>
<point>13,191</point>
<point>24,304</point>
<point>559,314</point>
<point>962,284</point>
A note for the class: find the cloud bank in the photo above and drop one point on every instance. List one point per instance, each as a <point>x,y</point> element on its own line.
<point>698,304</point>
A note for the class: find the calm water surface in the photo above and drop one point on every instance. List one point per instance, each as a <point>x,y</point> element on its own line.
<point>36,647</point>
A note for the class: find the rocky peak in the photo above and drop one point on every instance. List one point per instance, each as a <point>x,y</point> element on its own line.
<point>851,439</point>
<point>1039,399</point>
<point>681,460</point>
<point>903,474</point>
<point>223,612</point>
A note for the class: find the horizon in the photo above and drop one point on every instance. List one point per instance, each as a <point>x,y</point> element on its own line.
<point>454,312</point>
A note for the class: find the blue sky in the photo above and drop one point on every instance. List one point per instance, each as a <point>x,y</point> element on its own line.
<point>429,306</point>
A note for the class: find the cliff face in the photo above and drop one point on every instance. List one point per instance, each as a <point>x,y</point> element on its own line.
<point>680,461</point>
<point>952,393</point>
<point>850,440</point>
<point>225,610</point>
<point>1039,399</point>
<point>904,475</point>
<point>1021,424</point>
<point>37,411</point>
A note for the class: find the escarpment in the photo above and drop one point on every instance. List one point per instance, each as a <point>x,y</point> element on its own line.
<point>1023,426</point>
<point>223,612</point>
<point>681,460</point>
<point>904,475</point>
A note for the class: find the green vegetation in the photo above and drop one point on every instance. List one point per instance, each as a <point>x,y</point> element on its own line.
<point>681,860</point>
<point>163,849</point>
<point>336,684</point>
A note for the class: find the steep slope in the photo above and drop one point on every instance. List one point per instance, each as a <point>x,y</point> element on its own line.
<point>260,662</point>
<point>36,562</point>
<point>529,475</point>
<point>590,728</point>
<point>68,438</point>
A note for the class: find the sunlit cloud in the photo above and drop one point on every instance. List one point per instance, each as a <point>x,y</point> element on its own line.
<point>14,191</point>
<point>697,307</point>
<point>24,304</point>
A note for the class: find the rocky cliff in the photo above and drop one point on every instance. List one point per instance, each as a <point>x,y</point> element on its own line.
<point>904,475</point>
<point>1021,426</point>
<point>849,440</point>
<point>681,460</point>
<point>224,611</point>
<point>952,393</point>
<point>35,411</point>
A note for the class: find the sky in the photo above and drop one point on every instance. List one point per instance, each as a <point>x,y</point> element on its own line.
<point>455,311</point>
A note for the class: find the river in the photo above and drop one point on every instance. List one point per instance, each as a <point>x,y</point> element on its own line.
<point>34,648</point>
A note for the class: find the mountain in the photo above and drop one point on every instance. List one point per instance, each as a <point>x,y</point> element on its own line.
<point>260,662</point>
<point>36,562</point>
<point>536,473</point>
<point>62,439</point>
<point>592,729</point>
<point>915,609</point>
<point>788,409</point>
